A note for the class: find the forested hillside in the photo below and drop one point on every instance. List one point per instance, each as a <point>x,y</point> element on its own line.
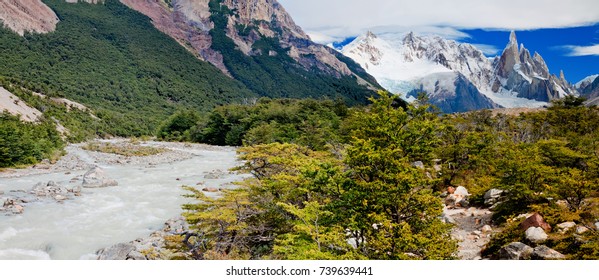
<point>112,59</point>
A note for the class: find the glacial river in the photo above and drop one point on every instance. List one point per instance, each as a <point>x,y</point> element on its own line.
<point>145,198</point>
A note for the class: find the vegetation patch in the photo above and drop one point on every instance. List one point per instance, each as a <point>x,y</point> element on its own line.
<point>123,149</point>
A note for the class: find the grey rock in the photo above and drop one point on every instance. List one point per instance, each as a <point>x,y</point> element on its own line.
<point>516,251</point>
<point>97,178</point>
<point>487,229</point>
<point>461,191</point>
<point>545,253</point>
<point>136,256</point>
<point>116,252</point>
<point>581,229</point>
<point>564,227</point>
<point>536,234</point>
<point>597,225</point>
<point>492,196</point>
<point>418,164</point>
<point>60,197</point>
<point>447,219</point>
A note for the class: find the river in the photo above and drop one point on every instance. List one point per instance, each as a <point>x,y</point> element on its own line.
<point>147,196</point>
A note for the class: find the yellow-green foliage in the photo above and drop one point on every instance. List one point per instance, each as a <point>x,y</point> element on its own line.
<point>305,204</point>
<point>123,149</point>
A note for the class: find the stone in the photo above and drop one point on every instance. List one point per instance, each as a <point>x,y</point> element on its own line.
<point>136,256</point>
<point>564,227</point>
<point>545,253</point>
<point>97,178</point>
<point>116,252</point>
<point>486,229</point>
<point>210,189</point>
<point>536,234</point>
<point>18,209</point>
<point>418,164</point>
<point>461,191</point>
<point>536,220</point>
<point>492,196</point>
<point>581,229</point>
<point>447,219</point>
<point>450,190</point>
<point>597,225</point>
<point>60,197</point>
<point>462,202</point>
<point>516,251</point>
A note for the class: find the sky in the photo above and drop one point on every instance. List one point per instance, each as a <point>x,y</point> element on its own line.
<point>564,32</point>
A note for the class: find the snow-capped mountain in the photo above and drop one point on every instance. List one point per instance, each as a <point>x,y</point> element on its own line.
<point>589,88</point>
<point>457,77</point>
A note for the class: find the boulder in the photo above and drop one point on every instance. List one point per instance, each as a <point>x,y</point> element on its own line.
<point>515,251</point>
<point>545,253</point>
<point>536,234</point>
<point>536,220</point>
<point>597,225</point>
<point>17,209</point>
<point>492,196</point>
<point>418,164</point>
<point>486,229</point>
<point>564,227</point>
<point>461,191</point>
<point>581,229</point>
<point>116,252</point>
<point>210,189</point>
<point>60,197</point>
<point>136,256</point>
<point>97,178</point>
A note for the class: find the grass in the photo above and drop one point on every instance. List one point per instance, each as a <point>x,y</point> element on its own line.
<point>125,149</point>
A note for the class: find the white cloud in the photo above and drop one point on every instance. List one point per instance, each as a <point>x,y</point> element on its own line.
<point>346,18</point>
<point>582,50</point>
<point>488,50</point>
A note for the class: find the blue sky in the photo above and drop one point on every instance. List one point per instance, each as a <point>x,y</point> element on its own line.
<point>565,33</point>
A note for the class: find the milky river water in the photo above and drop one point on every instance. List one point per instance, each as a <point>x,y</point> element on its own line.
<point>75,229</point>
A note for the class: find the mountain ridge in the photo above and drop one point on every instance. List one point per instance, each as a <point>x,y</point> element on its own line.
<point>407,63</point>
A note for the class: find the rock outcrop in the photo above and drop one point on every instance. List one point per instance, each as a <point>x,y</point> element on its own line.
<point>545,253</point>
<point>97,178</point>
<point>27,16</point>
<point>516,251</point>
<point>189,22</point>
<point>152,247</point>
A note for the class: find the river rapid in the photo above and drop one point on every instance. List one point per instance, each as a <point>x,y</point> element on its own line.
<point>149,193</point>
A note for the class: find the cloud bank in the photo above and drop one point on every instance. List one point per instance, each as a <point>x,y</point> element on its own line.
<point>329,20</point>
<point>582,50</point>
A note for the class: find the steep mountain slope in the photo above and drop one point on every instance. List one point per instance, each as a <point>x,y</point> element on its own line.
<point>113,59</point>
<point>457,77</point>
<point>589,88</point>
<point>246,23</point>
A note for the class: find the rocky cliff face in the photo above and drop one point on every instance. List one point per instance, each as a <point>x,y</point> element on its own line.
<point>189,22</point>
<point>27,16</point>
<point>528,76</point>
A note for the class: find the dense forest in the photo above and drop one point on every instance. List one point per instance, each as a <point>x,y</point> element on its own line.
<point>331,174</point>
<point>112,59</point>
